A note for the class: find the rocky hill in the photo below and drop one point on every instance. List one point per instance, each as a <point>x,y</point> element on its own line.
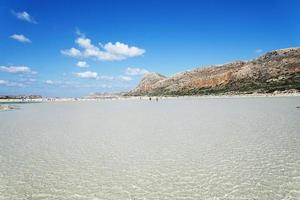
<point>148,82</point>
<point>275,71</point>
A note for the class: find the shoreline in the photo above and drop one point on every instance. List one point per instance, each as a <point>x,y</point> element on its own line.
<point>296,94</point>
<point>46,100</point>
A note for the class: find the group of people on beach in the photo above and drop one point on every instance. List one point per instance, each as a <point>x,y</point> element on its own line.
<point>156,99</point>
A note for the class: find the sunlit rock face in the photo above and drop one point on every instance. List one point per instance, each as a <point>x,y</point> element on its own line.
<point>275,71</point>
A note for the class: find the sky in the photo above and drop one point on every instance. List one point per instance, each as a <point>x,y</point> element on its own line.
<point>75,48</point>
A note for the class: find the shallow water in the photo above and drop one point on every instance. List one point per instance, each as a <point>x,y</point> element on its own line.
<point>209,148</point>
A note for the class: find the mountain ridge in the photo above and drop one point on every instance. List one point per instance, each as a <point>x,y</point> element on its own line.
<point>277,70</point>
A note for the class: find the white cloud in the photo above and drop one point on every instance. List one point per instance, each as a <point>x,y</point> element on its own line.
<point>24,16</point>
<point>85,43</point>
<point>20,38</point>
<point>17,69</point>
<point>125,78</point>
<point>11,84</point>
<point>258,51</point>
<point>87,75</point>
<point>107,52</point>
<point>73,52</point>
<point>82,64</point>
<point>135,71</point>
<point>122,49</point>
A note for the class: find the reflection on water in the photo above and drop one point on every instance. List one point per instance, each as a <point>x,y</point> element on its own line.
<point>223,148</point>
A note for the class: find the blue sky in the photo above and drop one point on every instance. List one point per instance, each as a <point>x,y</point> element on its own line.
<point>74,48</point>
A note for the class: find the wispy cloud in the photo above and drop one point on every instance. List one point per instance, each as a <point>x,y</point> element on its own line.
<point>61,84</point>
<point>27,80</point>
<point>82,64</point>
<point>87,75</point>
<point>74,84</point>
<point>20,38</point>
<point>135,71</point>
<point>3,82</point>
<point>24,16</point>
<point>125,78</point>
<point>79,33</point>
<point>50,82</point>
<point>107,52</point>
<point>106,78</point>
<point>11,83</point>
<point>17,69</point>
<point>258,51</point>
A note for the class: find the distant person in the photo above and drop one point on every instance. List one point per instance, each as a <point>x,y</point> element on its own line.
<point>156,99</point>
<point>149,98</point>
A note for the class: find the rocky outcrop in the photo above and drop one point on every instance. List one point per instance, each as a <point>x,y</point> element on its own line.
<point>275,71</point>
<point>147,83</point>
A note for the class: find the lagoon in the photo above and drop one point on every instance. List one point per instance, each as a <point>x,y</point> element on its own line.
<point>185,148</point>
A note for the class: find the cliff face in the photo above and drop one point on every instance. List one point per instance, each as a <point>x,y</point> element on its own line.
<point>276,70</point>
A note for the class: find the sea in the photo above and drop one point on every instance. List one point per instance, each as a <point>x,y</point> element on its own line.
<point>219,148</point>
